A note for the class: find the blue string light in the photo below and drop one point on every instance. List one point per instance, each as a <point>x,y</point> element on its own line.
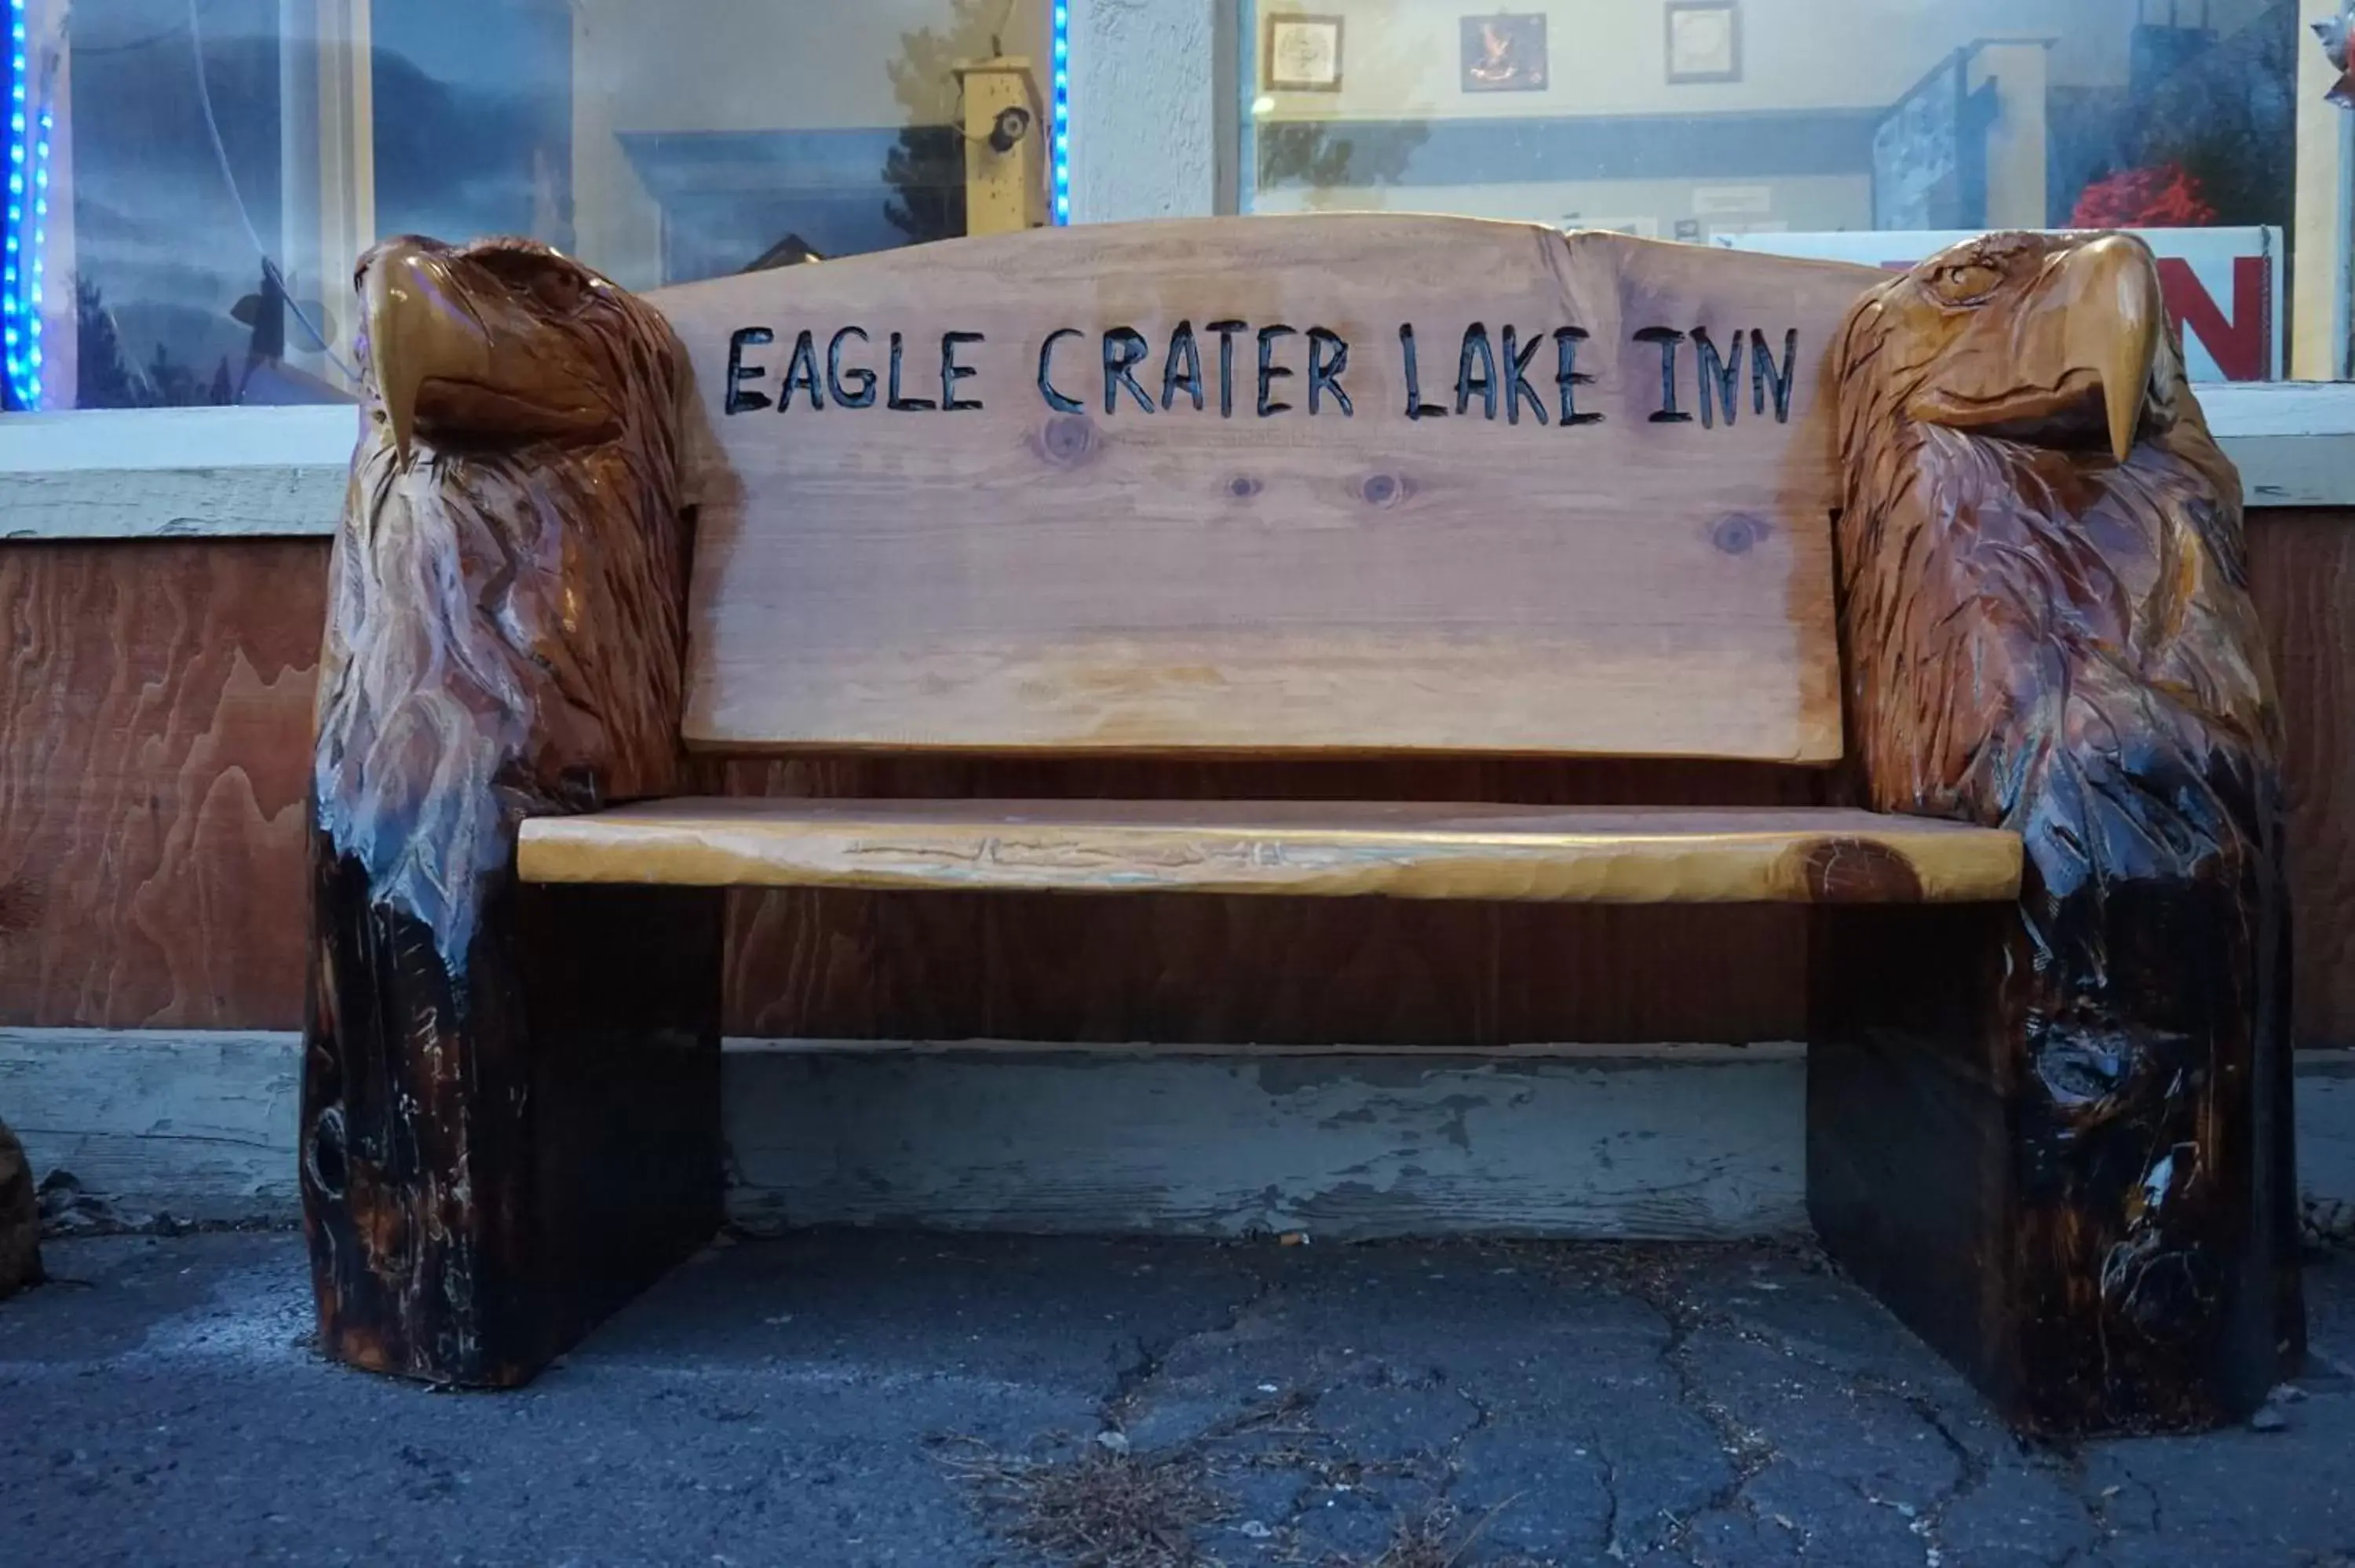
<point>22,275</point>
<point>1060,148</point>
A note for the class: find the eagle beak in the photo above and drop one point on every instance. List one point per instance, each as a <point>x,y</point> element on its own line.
<point>2068,359</point>
<point>2111,328</point>
<point>420,329</point>
<point>452,354</point>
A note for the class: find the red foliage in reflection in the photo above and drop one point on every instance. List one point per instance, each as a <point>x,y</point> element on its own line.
<point>2162,196</point>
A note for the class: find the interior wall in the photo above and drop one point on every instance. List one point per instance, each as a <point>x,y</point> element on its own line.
<point>1796,129</point>
<point>1401,58</point>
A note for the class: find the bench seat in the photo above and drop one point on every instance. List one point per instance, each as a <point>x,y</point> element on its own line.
<point>1615,855</point>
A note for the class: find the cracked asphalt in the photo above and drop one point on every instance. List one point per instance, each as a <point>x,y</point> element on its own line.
<point>899,1398</point>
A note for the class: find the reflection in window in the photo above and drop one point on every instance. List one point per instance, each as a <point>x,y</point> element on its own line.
<point>1805,126</point>
<point>231,158</point>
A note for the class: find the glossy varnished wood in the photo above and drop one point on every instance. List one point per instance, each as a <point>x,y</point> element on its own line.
<point>1335,849</point>
<point>492,1160</point>
<point>2048,628</point>
<point>1011,578</point>
<point>510,1109</point>
<point>155,725</point>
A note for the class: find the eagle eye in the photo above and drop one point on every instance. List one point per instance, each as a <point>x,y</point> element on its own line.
<point>560,287</point>
<point>1966,282</point>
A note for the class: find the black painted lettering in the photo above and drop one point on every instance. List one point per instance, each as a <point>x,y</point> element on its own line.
<point>905,405</point>
<point>1183,350</point>
<point>802,372</point>
<point>1568,377</point>
<point>1516,364</point>
<point>951,372</point>
<point>1055,400</point>
<point>1475,336</point>
<point>738,400</point>
<point>1720,377</point>
<point>1667,413</point>
<point>1416,409</point>
<point>1269,371</point>
<point>864,378</point>
<point>1329,356</point>
<point>1226,331</point>
<point>1762,366</point>
<point>1123,350</point>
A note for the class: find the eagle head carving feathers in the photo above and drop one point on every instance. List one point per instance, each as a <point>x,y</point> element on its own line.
<point>2043,579</point>
<point>2047,624</point>
<point>505,631</point>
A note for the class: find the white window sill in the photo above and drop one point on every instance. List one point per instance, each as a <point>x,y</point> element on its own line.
<point>279,472</point>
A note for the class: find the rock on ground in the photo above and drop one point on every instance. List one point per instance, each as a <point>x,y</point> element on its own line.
<point>20,1218</point>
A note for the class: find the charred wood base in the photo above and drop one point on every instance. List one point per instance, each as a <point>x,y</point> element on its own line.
<point>495,1159</point>
<point>2090,1227</point>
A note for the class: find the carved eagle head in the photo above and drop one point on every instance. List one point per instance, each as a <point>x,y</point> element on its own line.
<point>2039,545</point>
<point>506,630</point>
<point>2051,339</point>
<point>495,345</point>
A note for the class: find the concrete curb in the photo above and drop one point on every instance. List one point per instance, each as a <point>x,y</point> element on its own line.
<point>1668,1141</point>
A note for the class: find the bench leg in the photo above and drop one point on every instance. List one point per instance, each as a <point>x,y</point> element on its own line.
<point>494,1159</point>
<point>2097,1224</point>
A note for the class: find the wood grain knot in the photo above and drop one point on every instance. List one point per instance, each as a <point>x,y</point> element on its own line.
<point>1242,487</point>
<point>323,1156</point>
<point>1384,489</point>
<point>20,908</point>
<point>1068,439</point>
<point>1738,532</point>
<point>1857,870</point>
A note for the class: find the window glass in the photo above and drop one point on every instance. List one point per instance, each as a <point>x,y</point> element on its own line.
<point>209,169</point>
<point>1863,130</point>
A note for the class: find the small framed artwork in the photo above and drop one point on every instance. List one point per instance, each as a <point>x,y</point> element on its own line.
<point>1704,41</point>
<point>1505,53</point>
<point>1301,54</point>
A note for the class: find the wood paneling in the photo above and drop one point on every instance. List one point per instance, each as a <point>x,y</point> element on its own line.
<point>157,719</point>
<point>154,728</point>
<point>2302,569</point>
<point>1251,561</point>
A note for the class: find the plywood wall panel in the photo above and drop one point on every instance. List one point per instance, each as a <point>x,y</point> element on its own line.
<point>154,734</point>
<point>2303,573</point>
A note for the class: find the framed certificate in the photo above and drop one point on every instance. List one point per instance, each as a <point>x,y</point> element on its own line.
<point>1704,40</point>
<point>1301,54</point>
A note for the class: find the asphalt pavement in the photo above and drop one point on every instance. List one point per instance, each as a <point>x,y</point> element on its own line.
<point>853,1398</point>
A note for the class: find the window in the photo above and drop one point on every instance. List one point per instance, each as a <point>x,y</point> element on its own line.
<point>190,180</point>
<point>206,171</point>
<point>1861,129</point>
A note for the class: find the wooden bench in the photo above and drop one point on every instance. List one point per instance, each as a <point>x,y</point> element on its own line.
<point>1304,488</point>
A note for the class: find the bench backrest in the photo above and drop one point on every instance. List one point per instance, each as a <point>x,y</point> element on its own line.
<point>961,495</point>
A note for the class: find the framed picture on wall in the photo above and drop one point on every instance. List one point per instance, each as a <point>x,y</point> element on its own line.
<point>1505,53</point>
<point>1301,54</point>
<point>1704,40</point>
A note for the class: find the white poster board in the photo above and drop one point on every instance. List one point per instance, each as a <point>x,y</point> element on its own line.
<point>2223,286</point>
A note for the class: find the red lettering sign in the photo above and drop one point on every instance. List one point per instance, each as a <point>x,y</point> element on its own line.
<point>2237,344</point>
